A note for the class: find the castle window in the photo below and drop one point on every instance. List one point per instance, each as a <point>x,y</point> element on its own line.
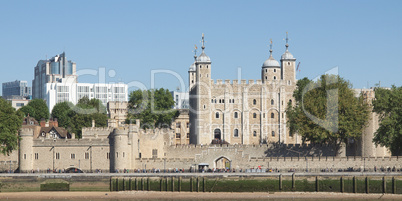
<point>215,100</point>
<point>25,156</point>
<point>266,70</point>
<point>86,155</point>
<point>154,153</point>
<point>57,155</point>
<point>266,77</point>
<point>212,100</point>
<point>178,125</point>
<point>207,66</point>
<point>254,102</point>
<point>232,100</point>
<point>207,74</point>
<point>263,115</point>
<point>274,70</point>
<point>188,136</point>
<point>235,115</point>
<point>288,82</point>
<point>254,133</point>
<point>192,81</point>
<point>117,154</point>
<point>272,101</point>
<point>108,155</point>
<point>220,101</point>
<point>236,133</point>
<point>36,156</point>
<point>204,106</point>
<point>272,115</point>
<point>290,101</point>
<point>273,133</point>
<point>124,154</point>
<point>254,115</point>
<point>223,100</point>
<point>217,115</point>
<point>274,77</point>
<point>282,102</point>
<point>290,134</point>
<point>288,63</point>
<point>188,125</point>
<point>72,156</point>
<point>178,135</point>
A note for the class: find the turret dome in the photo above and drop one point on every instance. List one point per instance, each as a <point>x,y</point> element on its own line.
<point>271,63</point>
<point>203,57</point>
<point>192,67</point>
<point>287,55</point>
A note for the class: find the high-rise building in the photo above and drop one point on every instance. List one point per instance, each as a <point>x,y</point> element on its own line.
<point>16,88</point>
<point>55,70</point>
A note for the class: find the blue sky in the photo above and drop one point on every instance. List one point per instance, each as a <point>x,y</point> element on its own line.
<point>131,39</point>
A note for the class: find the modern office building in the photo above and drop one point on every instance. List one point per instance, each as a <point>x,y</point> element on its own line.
<point>55,70</point>
<point>181,99</point>
<point>16,88</point>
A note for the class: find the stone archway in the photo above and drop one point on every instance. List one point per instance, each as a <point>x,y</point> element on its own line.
<point>217,134</point>
<point>223,163</point>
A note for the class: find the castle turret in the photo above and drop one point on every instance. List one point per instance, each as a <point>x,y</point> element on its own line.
<point>200,100</point>
<point>192,77</point>
<point>25,149</point>
<point>288,65</point>
<point>121,153</point>
<point>271,69</point>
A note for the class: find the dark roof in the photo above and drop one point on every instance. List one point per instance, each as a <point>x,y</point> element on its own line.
<point>61,131</point>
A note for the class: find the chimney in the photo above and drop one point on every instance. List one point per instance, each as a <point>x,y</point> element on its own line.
<point>93,123</point>
<point>55,122</point>
<point>42,123</point>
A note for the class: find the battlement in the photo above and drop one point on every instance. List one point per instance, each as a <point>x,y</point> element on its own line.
<point>70,142</point>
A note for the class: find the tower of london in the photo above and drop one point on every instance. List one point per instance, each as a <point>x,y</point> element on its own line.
<point>241,111</point>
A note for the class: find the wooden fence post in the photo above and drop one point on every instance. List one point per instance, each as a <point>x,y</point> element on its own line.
<point>280,182</point>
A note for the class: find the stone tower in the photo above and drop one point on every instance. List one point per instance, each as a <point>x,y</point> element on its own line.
<point>271,70</point>
<point>200,100</point>
<point>25,149</point>
<point>121,152</point>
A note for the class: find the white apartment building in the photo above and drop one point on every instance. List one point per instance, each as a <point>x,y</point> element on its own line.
<point>72,92</point>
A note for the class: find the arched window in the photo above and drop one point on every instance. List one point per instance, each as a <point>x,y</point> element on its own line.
<point>272,115</point>
<point>220,101</point>
<point>272,101</point>
<point>266,70</point>
<point>254,115</point>
<point>273,133</point>
<point>212,100</point>
<point>207,66</point>
<point>274,77</point>
<point>236,133</point>
<point>290,101</point>
<point>266,77</point>
<point>217,115</point>
<point>274,70</point>
<point>215,100</point>
<point>236,115</point>
<point>254,133</point>
<point>254,102</point>
<point>232,100</point>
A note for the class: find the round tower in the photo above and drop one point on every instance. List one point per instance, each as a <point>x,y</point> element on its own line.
<point>192,77</point>
<point>120,153</point>
<point>25,150</point>
<point>271,70</point>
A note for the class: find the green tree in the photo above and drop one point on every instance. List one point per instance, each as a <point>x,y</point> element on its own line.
<point>10,123</point>
<point>387,104</point>
<point>327,111</point>
<point>75,117</point>
<point>153,107</point>
<point>37,109</point>
<point>63,112</point>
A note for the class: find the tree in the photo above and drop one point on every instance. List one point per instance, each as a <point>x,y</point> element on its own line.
<point>387,104</point>
<point>63,112</point>
<point>10,123</point>
<point>152,107</point>
<point>327,112</point>
<point>37,109</point>
<point>74,118</point>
